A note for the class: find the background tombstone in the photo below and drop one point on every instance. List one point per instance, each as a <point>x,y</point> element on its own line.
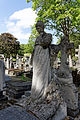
<point>70,61</point>
<point>17,61</point>
<point>7,64</point>
<point>2,76</point>
<point>10,62</point>
<point>79,55</point>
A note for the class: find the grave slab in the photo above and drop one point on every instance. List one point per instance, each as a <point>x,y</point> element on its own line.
<point>16,113</point>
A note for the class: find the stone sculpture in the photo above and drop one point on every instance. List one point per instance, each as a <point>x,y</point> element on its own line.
<point>45,102</point>
<point>41,62</point>
<point>64,76</point>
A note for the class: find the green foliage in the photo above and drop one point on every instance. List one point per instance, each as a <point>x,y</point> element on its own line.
<point>8,44</point>
<point>59,54</point>
<point>25,78</point>
<point>75,38</point>
<point>26,48</point>
<point>62,15</point>
<point>29,47</point>
<point>21,50</point>
<point>75,58</point>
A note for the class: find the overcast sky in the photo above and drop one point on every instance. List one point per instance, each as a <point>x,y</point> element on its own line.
<point>17,17</point>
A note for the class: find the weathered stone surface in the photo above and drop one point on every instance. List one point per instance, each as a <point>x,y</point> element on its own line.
<point>2,75</point>
<point>64,71</point>
<point>64,77</point>
<point>70,95</point>
<point>16,89</point>
<point>16,113</point>
<point>41,62</point>
<point>52,107</point>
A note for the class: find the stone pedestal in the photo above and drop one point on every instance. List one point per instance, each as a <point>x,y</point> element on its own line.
<point>70,95</point>
<point>16,89</point>
<point>51,107</point>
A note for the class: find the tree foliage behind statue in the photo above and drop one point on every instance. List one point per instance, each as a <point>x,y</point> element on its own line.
<point>62,15</point>
<point>8,44</point>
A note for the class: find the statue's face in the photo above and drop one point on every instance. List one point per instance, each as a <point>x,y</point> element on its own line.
<point>40,29</point>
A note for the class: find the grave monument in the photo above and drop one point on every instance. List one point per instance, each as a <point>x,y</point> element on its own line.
<point>46,102</point>
<point>41,62</point>
<point>2,77</point>
<point>64,75</point>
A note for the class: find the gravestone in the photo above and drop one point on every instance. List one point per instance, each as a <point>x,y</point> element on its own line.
<point>17,88</point>
<point>16,113</point>
<point>2,83</point>
<point>64,75</point>
<point>2,75</point>
<point>20,62</point>
<point>70,61</point>
<point>10,62</point>
<point>79,55</point>
<point>7,63</point>
<point>17,62</point>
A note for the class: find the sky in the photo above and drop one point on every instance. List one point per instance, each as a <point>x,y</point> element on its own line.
<point>17,17</point>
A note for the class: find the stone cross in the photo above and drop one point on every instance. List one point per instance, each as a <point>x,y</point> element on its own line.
<point>65,46</point>
<point>54,49</point>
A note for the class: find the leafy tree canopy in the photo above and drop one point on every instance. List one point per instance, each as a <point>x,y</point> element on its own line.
<point>62,15</point>
<point>8,44</point>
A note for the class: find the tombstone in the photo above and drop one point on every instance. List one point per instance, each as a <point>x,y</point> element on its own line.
<point>2,76</point>
<point>16,113</point>
<point>19,63</point>
<point>70,61</point>
<point>7,64</point>
<point>79,55</point>
<point>10,62</point>
<point>64,75</point>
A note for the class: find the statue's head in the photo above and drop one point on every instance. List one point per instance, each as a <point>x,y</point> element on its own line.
<point>40,26</point>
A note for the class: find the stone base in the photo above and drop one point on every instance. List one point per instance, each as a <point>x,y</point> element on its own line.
<point>69,93</point>
<point>61,112</point>
<point>16,89</point>
<point>72,113</point>
<point>16,113</point>
<point>51,107</point>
